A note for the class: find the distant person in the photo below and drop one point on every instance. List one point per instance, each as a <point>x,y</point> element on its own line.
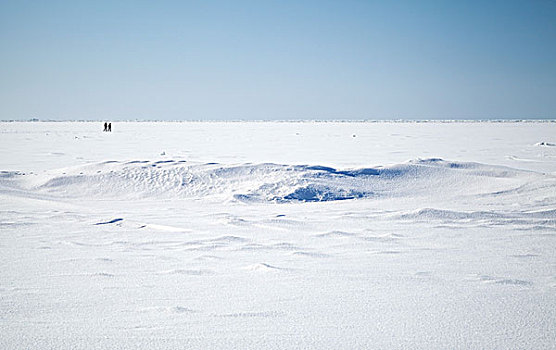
<point>105,127</point>
<point>109,127</point>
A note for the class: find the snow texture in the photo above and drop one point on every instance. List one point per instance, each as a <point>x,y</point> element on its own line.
<point>278,235</point>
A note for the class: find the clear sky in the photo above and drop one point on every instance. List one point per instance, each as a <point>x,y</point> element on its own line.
<point>277,59</point>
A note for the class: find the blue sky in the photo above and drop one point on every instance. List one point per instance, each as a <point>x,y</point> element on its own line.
<point>277,59</point>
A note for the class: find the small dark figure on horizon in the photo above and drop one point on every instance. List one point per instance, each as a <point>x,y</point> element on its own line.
<point>105,127</point>
<point>109,127</point>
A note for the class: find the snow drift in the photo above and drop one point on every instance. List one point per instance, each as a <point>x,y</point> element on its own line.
<point>273,182</point>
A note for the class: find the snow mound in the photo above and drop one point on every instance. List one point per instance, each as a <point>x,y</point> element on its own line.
<point>269,182</point>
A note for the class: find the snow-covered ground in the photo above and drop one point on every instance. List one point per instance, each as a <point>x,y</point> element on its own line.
<point>278,235</point>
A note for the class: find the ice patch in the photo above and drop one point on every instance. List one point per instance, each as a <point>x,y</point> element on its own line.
<point>312,193</point>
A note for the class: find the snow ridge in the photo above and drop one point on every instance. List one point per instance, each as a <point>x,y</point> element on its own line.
<point>274,182</point>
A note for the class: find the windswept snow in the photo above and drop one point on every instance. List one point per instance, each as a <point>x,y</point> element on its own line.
<point>171,179</point>
<point>278,235</point>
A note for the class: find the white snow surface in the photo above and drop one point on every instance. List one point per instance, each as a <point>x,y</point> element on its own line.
<point>278,235</point>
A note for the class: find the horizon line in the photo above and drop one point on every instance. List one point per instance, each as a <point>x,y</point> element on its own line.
<point>400,120</point>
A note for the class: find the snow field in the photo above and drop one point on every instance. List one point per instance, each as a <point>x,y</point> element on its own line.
<point>405,236</point>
